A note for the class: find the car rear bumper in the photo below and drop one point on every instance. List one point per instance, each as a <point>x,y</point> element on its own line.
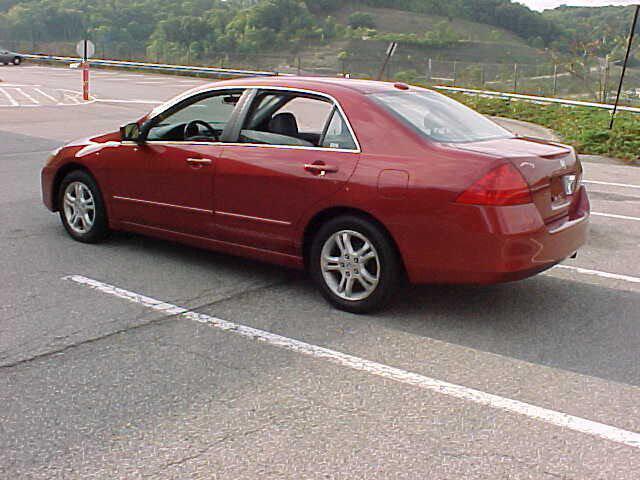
<point>499,244</point>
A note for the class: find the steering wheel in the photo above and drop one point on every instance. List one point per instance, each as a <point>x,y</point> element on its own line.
<point>192,131</point>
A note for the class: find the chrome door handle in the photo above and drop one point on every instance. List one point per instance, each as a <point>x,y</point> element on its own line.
<point>320,168</point>
<point>199,161</point>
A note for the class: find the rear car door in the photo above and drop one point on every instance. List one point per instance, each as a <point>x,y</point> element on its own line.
<point>167,182</point>
<point>294,150</point>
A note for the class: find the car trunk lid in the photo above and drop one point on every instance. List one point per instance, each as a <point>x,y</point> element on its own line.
<point>552,171</point>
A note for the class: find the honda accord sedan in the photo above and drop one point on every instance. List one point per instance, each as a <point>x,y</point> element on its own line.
<point>362,183</point>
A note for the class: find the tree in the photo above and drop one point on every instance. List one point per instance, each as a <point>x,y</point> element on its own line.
<point>361,20</point>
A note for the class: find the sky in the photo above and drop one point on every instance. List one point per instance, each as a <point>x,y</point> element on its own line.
<point>543,4</point>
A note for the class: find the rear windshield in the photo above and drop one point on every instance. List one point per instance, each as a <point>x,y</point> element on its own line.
<point>439,117</point>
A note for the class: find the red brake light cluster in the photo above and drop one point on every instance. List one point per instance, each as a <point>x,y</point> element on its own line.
<point>503,185</point>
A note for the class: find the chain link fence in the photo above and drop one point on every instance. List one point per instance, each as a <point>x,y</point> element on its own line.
<point>589,79</point>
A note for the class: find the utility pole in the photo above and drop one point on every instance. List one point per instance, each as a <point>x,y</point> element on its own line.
<point>624,67</point>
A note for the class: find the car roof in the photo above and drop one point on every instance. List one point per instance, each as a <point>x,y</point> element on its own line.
<point>320,84</point>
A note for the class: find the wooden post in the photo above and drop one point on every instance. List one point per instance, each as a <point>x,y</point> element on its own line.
<point>555,80</point>
<point>515,78</point>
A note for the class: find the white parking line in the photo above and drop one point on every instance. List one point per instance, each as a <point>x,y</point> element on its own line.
<point>29,97</point>
<point>46,95</point>
<point>611,184</point>
<point>598,273</point>
<point>9,97</point>
<point>156,82</point>
<point>552,417</point>
<point>114,100</point>
<point>613,215</point>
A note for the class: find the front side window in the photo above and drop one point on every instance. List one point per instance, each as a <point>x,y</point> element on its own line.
<point>295,119</point>
<point>440,118</point>
<point>202,120</point>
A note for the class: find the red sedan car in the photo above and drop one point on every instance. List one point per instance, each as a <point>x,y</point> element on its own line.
<point>362,183</point>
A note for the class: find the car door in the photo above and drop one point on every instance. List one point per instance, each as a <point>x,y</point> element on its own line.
<point>294,151</point>
<point>166,182</point>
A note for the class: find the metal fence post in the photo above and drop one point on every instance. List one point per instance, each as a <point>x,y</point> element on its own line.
<point>455,72</point>
<point>605,83</point>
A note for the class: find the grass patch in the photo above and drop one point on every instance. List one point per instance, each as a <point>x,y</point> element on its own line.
<point>587,129</point>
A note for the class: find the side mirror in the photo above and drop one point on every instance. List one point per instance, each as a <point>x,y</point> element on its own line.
<point>130,133</point>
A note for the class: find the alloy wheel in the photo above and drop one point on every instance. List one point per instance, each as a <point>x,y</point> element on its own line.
<point>350,265</point>
<point>79,207</point>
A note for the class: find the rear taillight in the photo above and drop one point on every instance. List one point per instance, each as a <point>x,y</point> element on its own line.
<point>501,186</point>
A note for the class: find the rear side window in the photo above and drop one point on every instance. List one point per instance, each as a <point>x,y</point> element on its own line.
<point>440,118</point>
<point>337,134</point>
<point>289,118</point>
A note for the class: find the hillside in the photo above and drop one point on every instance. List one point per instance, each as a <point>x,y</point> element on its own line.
<point>333,35</point>
<point>596,31</point>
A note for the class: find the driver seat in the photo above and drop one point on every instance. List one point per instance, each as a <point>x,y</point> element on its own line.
<point>284,124</point>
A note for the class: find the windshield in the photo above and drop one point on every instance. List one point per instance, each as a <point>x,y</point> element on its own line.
<point>439,117</point>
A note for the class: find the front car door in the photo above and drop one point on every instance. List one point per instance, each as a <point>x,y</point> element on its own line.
<point>293,151</point>
<point>166,182</point>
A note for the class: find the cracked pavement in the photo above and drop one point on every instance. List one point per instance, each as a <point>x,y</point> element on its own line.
<point>93,386</point>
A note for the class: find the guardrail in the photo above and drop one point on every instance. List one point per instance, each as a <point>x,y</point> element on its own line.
<point>217,72</point>
<point>230,72</point>
<point>536,99</point>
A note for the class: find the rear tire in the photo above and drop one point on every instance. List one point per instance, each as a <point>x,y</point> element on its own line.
<point>17,61</point>
<point>355,264</point>
<point>82,210</point>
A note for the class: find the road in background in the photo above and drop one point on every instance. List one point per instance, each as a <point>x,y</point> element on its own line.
<point>95,385</point>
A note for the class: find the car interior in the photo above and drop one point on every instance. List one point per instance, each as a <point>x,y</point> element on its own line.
<point>276,118</point>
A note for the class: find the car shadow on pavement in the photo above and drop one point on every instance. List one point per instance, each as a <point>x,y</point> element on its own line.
<point>545,320</point>
<point>586,328</point>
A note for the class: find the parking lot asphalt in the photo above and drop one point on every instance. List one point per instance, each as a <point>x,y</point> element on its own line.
<point>530,380</point>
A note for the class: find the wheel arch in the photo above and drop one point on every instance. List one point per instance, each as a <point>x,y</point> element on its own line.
<point>314,224</point>
<point>62,172</point>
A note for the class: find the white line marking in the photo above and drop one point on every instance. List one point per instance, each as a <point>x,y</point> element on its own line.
<point>9,97</point>
<point>611,184</point>
<point>106,100</point>
<point>613,215</point>
<point>598,273</point>
<point>46,95</point>
<point>155,82</point>
<point>29,97</point>
<point>552,417</point>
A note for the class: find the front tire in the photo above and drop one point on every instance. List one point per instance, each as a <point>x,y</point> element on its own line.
<point>17,61</point>
<point>82,210</point>
<point>355,264</point>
